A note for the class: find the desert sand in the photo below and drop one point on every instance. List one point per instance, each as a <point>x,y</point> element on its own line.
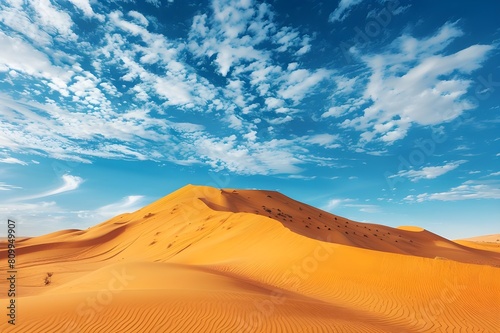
<point>208,260</point>
<point>487,242</point>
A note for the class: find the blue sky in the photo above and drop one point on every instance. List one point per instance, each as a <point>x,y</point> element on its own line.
<point>380,111</point>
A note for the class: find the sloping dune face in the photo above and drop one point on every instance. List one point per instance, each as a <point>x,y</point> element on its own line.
<point>209,260</point>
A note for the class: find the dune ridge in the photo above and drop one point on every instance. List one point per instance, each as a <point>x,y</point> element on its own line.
<point>227,260</point>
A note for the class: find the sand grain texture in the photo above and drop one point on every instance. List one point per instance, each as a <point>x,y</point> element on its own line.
<point>209,260</point>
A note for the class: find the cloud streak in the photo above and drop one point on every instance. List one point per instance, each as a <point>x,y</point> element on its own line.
<point>12,160</point>
<point>431,172</point>
<point>469,190</point>
<point>7,187</point>
<point>128,204</point>
<point>343,10</point>
<point>70,183</point>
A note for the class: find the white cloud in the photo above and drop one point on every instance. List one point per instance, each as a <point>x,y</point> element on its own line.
<point>431,172</point>
<point>12,160</point>
<point>156,3</point>
<point>335,111</point>
<point>274,103</point>
<point>128,204</point>
<point>32,219</point>
<point>232,37</point>
<point>139,18</point>
<point>468,190</point>
<point>301,177</point>
<point>493,174</point>
<point>176,93</point>
<point>365,208</point>
<point>351,104</point>
<point>84,6</point>
<point>43,217</point>
<point>7,187</point>
<point>17,209</point>
<point>70,183</point>
<point>343,9</point>
<point>18,55</point>
<point>279,121</point>
<point>179,86</point>
<point>325,140</point>
<point>132,28</point>
<point>333,203</point>
<point>336,203</point>
<point>19,19</point>
<point>462,147</point>
<point>299,83</point>
<point>53,20</point>
<point>273,157</point>
<point>411,81</point>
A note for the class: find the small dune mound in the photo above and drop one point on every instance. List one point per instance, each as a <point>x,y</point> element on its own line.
<point>411,228</point>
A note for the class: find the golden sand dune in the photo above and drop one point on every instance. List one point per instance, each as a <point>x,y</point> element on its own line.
<point>209,260</point>
<point>488,242</point>
<point>495,238</point>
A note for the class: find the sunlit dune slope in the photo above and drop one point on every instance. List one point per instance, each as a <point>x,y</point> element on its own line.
<point>209,260</point>
<point>488,242</point>
<point>495,238</point>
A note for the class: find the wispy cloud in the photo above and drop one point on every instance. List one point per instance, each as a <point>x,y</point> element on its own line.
<point>70,183</point>
<point>343,10</point>
<point>365,208</point>
<point>301,177</point>
<point>332,204</point>
<point>7,187</point>
<point>22,57</point>
<point>471,189</point>
<point>41,217</point>
<point>34,219</point>
<point>12,160</point>
<point>274,157</point>
<point>86,8</point>
<point>128,204</point>
<point>22,209</point>
<point>335,204</point>
<point>324,140</point>
<point>431,172</point>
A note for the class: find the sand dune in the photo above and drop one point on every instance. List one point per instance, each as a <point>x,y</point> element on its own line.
<point>495,238</point>
<point>209,260</point>
<point>488,242</point>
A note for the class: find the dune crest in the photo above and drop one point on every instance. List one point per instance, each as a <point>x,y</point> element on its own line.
<point>228,260</point>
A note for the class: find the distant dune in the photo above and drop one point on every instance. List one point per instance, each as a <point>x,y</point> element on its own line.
<point>208,260</point>
<point>495,238</point>
<point>487,242</point>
